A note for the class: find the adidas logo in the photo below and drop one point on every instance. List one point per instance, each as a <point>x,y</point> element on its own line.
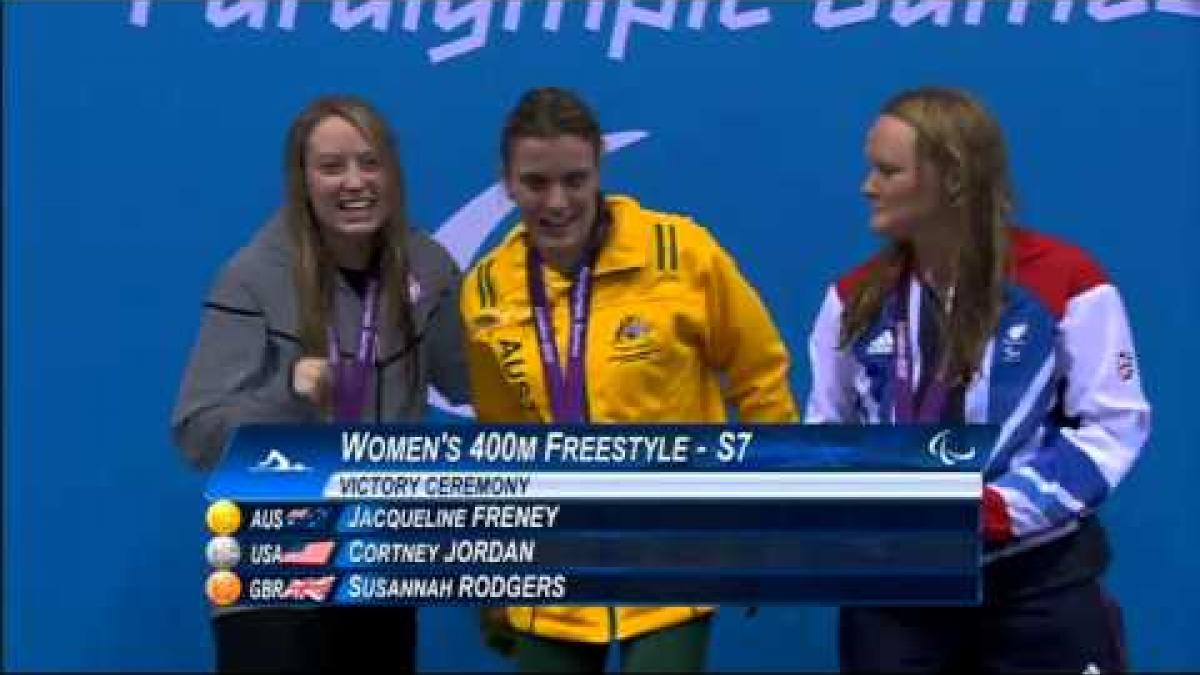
<point>883,344</point>
<point>1091,669</point>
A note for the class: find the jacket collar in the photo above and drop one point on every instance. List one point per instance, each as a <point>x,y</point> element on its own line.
<point>625,247</point>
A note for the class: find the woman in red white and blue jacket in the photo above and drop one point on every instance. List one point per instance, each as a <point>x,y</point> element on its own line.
<point>963,318</point>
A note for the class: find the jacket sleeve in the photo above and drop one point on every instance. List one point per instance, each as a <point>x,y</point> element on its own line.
<point>1077,467</point>
<point>444,335</point>
<point>745,344</point>
<point>234,376</point>
<point>832,398</point>
<point>491,396</point>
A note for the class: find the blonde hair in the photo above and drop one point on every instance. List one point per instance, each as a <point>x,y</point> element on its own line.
<point>313,264</point>
<point>963,143</point>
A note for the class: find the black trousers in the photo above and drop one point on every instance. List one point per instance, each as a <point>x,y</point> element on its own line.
<point>1043,611</point>
<point>1074,630</point>
<point>352,639</point>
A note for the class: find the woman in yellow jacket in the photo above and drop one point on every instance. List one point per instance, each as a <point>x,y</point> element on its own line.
<point>597,310</point>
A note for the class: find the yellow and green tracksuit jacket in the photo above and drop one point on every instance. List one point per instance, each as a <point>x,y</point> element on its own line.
<point>670,313</point>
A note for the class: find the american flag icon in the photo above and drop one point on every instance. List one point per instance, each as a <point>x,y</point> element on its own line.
<point>308,588</point>
<point>308,553</point>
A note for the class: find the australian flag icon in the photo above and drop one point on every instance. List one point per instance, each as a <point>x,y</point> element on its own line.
<point>307,518</point>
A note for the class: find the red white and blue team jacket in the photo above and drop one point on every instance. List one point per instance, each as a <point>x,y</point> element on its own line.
<point>1059,377</point>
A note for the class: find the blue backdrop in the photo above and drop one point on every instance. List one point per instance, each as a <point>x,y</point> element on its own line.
<point>142,145</point>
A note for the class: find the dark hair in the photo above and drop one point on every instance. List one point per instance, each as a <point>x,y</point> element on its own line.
<point>313,267</point>
<point>547,112</point>
<point>962,142</point>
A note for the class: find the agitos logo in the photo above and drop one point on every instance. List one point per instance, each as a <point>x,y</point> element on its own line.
<point>943,447</point>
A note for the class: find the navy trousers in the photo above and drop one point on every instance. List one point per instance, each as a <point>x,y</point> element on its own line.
<point>1043,610</point>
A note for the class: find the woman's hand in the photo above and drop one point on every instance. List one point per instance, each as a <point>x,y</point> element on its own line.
<point>311,379</point>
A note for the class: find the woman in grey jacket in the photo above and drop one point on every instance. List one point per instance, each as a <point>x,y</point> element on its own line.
<point>335,311</point>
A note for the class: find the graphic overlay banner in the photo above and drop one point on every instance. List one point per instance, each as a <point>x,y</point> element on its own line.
<point>703,514</point>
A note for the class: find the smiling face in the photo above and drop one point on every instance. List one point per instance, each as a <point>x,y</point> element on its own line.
<point>346,178</point>
<point>555,183</point>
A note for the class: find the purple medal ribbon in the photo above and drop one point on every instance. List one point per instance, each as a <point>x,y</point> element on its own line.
<point>907,409</point>
<point>566,392</point>
<point>350,377</point>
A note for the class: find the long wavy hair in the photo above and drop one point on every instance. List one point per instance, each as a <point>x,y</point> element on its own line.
<point>964,146</point>
<point>313,267</point>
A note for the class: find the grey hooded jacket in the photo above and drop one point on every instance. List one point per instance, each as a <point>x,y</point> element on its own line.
<point>241,366</point>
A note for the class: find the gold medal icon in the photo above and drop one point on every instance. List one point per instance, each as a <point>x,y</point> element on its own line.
<point>223,588</point>
<point>224,517</point>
